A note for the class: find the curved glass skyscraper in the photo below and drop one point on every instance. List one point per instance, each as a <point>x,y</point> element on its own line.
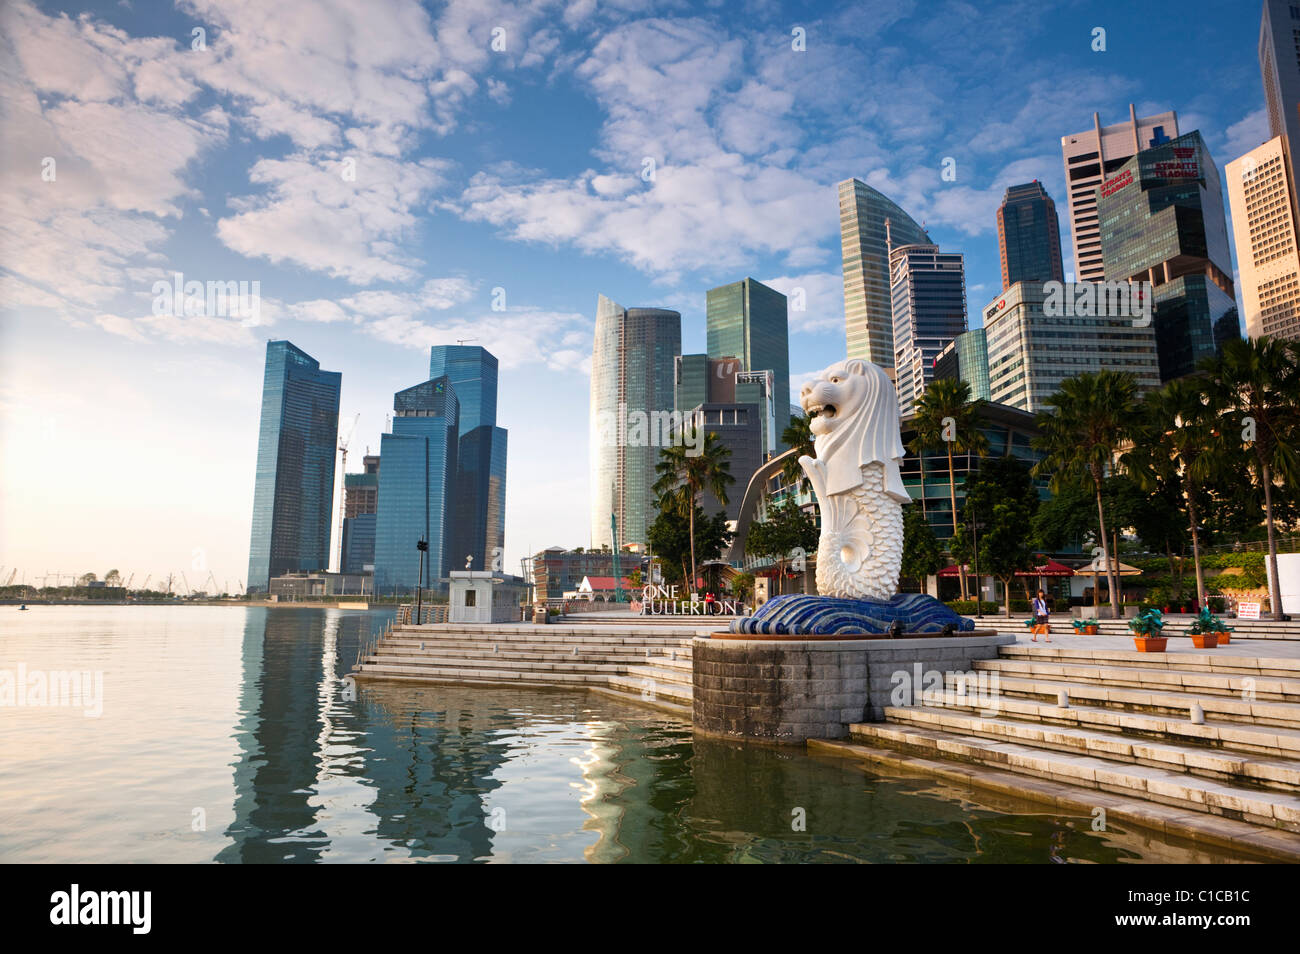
<point>631,395</point>
<point>293,493</point>
<point>868,311</point>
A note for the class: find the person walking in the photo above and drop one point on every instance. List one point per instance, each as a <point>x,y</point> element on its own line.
<point>1041,614</point>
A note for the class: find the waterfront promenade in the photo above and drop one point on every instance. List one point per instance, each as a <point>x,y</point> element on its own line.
<point>1196,744</point>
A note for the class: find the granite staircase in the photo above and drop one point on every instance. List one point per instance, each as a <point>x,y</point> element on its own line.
<point>651,665</point>
<point>1193,743</point>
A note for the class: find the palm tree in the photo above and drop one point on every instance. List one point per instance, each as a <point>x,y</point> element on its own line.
<point>1257,383</point>
<point>946,417</point>
<point>684,475</point>
<point>1173,439</point>
<point>797,434</point>
<point>1088,419</point>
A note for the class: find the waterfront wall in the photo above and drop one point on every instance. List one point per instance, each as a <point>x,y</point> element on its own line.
<point>794,690</point>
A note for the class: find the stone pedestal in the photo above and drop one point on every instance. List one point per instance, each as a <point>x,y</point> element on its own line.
<point>792,690</point>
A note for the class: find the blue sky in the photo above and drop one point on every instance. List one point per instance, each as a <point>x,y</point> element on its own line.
<point>129,439</point>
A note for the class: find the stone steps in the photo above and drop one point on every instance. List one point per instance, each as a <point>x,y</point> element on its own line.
<point>648,668</point>
<point>1270,689</point>
<point>1216,661</point>
<point>1261,740</point>
<point>1268,808</point>
<point>1249,770</point>
<point>1176,625</point>
<point>1174,703</point>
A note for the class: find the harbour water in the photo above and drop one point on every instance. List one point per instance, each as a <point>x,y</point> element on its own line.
<point>229,734</point>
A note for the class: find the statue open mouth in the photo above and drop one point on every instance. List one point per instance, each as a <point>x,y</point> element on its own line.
<point>826,411</point>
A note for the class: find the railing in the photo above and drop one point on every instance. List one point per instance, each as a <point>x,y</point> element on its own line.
<point>1285,544</point>
<point>429,613</point>
<point>370,645</point>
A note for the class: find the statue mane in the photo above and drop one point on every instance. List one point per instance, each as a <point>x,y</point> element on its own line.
<point>870,434</point>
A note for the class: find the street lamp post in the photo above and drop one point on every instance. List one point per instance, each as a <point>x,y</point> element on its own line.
<point>423,547</point>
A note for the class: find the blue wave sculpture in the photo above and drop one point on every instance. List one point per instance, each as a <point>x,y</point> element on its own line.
<point>799,614</point>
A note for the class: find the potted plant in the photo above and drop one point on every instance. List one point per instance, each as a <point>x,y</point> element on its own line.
<point>1156,597</point>
<point>1207,624</point>
<point>1085,627</point>
<point>1146,628</point>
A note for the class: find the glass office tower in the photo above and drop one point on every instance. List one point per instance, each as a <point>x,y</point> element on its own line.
<point>864,247</point>
<point>928,291</point>
<point>632,375</point>
<point>293,491</point>
<point>480,502</point>
<point>1029,236</point>
<point>360,510</point>
<point>1161,220</point>
<point>750,321</point>
<point>966,358</point>
<point>416,494</point>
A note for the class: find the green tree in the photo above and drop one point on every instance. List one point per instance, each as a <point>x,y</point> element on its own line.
<point>798,435</point>
<point>1257,384</point>
<point>86,579</point>
<point>684,474</point>
<point>1088,419</point>
<point>947,419</point>
<point>113,578</point>
<point>1172,450</point>
<point>742,586</point>
<point>1001,499</point>
<point>922,555</point>
<point>788,532</point>
<point>670,537</point>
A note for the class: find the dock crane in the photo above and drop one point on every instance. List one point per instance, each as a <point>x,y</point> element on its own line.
<point>344,441</point>
<point>127,587</point>
<point>11,577</point>
<point>188,591</point>
<point>216,590</point>
<point>145,585</point>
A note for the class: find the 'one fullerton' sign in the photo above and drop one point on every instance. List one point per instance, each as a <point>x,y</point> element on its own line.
<point>664,601</point>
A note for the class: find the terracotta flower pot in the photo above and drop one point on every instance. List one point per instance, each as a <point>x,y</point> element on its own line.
<point>1090,630</point>
<point>1205,640</point>
<point>1150,644</point>
<point>1224,637</point>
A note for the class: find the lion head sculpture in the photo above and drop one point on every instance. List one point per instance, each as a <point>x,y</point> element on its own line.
<point>854,420</point>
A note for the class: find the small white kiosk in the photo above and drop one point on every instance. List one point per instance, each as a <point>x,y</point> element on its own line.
<point>481,596</point>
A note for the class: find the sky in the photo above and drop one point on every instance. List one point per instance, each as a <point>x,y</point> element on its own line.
<point>397,175</point>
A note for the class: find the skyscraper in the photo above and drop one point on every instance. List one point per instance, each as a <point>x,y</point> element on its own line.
<point>1093,155</point>
<point>1035,341</point>
<point>480,501</point>
<point>1161,221</point>
<point>416,494</point>
<point>1260,191</point>
<point>1029,236</point>
<point>1279,63</point>
<point>868,312</point>
<point>966,358</point>
<point>750,321</point>
<point>360,513</point>
<point>631,406</point>
<point>928,293</point>
<point>293,491</point>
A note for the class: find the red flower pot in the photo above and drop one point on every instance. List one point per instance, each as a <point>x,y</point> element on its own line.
<point>1150,644</point>
<point>1205,640</point>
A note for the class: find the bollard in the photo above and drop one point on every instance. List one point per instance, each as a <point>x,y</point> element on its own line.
<point>575,650</point>
<point>496,648</point>
<point>1198,714</point>
<point>1063,698</point>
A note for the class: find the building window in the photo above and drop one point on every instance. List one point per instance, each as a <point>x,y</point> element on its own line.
<point>471,597</point>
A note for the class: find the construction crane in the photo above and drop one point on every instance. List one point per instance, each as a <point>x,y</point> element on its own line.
<point>11,577</point>
<point>213,580</point>
<point>145,584</point>
<point>343,481</point>
<point>188,591</point>
<point>462,341</point>
<point>128,581</point>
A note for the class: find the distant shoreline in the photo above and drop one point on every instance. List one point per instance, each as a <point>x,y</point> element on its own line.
<point>266,603</point>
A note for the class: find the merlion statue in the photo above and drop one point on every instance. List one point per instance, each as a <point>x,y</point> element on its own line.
<point>853,409</point>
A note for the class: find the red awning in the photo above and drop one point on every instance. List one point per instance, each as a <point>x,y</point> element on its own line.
<point>1050,568</point>
<point>953,570</point>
